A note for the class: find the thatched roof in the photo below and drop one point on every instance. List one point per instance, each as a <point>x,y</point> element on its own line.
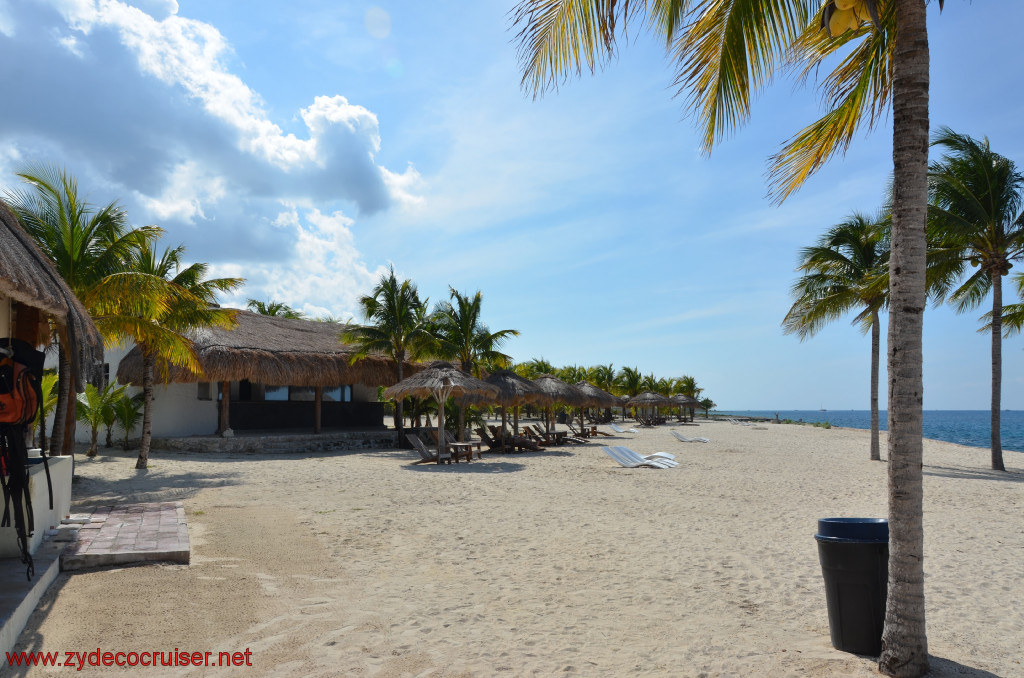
<point>648,399</point>
<point>274,351</point>
<point>28,277</point>
<point>596,397</point>
<point>514,389</point>
<point>438,375</point>
<point>559,391</point>
<point>685,401</point>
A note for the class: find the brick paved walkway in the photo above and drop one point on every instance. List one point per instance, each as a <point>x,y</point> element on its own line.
<point>130,533</point>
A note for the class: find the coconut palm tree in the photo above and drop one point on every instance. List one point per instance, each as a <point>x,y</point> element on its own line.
<point>724,52</point>
<point>96,408</point>
<point>276,308</point>
<point>127,414</point>
<point>845,271</point>
<point>161,331</point>
<point>976,199</point>
<point>396,326</point>
<point>707,404</point>
<point>629,381</point>
<point>460,335</point>
<point>602,376</point>
<point>687,385</point>
<point>48,386</point>
<point>86,244</point>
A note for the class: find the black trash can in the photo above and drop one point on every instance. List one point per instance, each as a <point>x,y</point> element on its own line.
<point>854,556</point>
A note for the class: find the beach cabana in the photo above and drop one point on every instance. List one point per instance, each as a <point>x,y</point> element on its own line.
<point>273,373</point>
<point>442,380</point>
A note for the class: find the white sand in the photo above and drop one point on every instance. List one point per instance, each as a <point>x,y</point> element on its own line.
<point>548,563</point>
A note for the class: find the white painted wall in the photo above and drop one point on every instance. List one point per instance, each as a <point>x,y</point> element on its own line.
<point>60,474</point>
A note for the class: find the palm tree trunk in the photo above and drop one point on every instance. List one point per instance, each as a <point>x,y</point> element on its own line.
<point>904,642</point>
<point>997,370</point>
<point>147,410</point>
<point>93,439</point>
<point>875,351</point>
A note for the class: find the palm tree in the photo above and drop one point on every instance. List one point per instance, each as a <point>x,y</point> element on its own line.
<point>86,244</point>
<point>602,376</point>
<point>976,199</point>
<point>724,52</point>
<point>277,308</point>
<point>96,408</point>
<point>160,331</point>
<point>687,385</point>
<point>127,413</point>
<point>396,326</point>
<point>629,381</point>
<point>462,336</point>
<point>571,374</point>
<point>846,270</point>
<point>48,386</point>
<point>707,404</point>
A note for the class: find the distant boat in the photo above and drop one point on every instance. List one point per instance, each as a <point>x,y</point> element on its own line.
<point>823,409</point>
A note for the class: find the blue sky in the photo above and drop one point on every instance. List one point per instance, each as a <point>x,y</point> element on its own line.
<point>306,146</point>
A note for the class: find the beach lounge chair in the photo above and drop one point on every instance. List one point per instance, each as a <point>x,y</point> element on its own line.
<point>426,455</point>
<point>629,459</point>
<point>456,449</point>
<point>656,455</point>
<point>618,429</point>
<point>683,439</point>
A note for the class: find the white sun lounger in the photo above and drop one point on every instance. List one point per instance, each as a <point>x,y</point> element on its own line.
<point>630,459</point>
<point>618,429</point>
<point>683,439</point>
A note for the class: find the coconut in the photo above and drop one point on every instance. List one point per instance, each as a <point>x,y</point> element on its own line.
<point>845,4</point>
<point>860,8</point>
<point>841,21</point>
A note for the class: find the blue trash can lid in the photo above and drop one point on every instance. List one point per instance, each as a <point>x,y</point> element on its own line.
<point>853,529</point>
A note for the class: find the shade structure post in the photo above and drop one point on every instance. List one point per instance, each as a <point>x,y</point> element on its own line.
<point>515,420</point>
<point>441,394</point>
<point>504,419</point>
<point>318,401</point>
<point>225,400</point>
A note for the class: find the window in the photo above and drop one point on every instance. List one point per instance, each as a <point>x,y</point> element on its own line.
<point>277,393</point>
<point>332,394</point>
<point>203,391</point>
<point>346,395</point>
<point>106,374</point>
<point>301,393</point>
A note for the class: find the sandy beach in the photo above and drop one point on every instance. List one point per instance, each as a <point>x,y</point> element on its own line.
<point>548,563</point>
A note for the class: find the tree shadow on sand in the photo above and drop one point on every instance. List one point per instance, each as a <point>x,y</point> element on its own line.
<point>943,668</point>
<point>476,467</point>
<point>961,473</point>
<point>89,491</point>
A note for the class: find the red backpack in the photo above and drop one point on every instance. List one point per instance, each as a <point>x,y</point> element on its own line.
<point>19,393</point>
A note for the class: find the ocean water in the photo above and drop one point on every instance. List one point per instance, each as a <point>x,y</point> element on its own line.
<point>964,427</point>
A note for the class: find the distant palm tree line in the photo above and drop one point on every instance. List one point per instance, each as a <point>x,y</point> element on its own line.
<point>401,325</point>
<point>975,232</point>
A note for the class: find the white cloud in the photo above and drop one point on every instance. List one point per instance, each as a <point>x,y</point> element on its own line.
<point>326,273</point>
<point>337,156</point>
<point>7,25</point>
<point>184,194</point>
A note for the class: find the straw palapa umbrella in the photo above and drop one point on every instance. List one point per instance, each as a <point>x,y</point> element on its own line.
<point>686,402</point>
<point>559,392</point>
<point>648,399</point>
<point>441,380</point>
<point>513,390</point>
<point>595,397</point>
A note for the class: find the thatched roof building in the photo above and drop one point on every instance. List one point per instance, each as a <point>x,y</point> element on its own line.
<point>273,351</point>
<point>28,278</point>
